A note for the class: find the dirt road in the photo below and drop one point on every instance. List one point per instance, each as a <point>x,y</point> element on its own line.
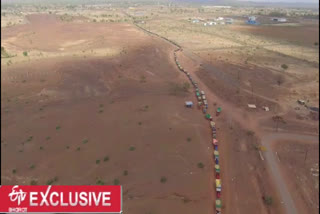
<point>272,162</point>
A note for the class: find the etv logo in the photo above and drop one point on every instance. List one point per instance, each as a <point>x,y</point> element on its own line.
<point>19,195</point>
<point>67,199</point>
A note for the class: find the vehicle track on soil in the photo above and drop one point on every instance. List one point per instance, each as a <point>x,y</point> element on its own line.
<point>272,162</point>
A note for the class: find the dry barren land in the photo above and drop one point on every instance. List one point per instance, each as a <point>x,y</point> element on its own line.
<point>94,101</point>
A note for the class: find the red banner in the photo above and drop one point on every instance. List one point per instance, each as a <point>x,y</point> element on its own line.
<point>98,199</point>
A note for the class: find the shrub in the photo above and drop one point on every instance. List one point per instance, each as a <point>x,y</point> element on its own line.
<point>267,200</point>
<point>14,171</point>
<point>58,127</point>
<point>32,166</point>
<point>97,161</point>
<point>116,181</point>
<point>33,182</point>
<point>316,43</point>
<point>48,138</point>
<point>78,149</point>
<point>189,139</point>
<point>41,148</point>
<point>163,179</point>
<point>143,79</point>
<point>280,79</point>
<point>186,86</point>
<point>125,172</point>
<point>99,182</point>
<point>106,158</point>
<point>50,181</point>
<point>186,200</point>
<point>200,165</point>
<point>132,148</point>
<point>284,66</point>
<point>250,133</point>
<point>85,141</point>
<point>25,53</point>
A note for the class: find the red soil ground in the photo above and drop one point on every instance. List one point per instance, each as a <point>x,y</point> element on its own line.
<point>302,35</point>
<point>299,162</point>
<point>104,101</point>
<point>104,107</point>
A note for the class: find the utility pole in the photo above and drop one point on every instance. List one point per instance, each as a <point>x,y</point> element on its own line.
<point>255,101</point>
<point>277,124</point>
<point>305,156</point>
<point>251,90</point>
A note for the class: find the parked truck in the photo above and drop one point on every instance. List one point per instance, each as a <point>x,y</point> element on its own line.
<point>218,185</point>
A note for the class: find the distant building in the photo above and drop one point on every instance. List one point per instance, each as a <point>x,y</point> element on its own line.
<point>229,20</point>
<point>195,21</point>
<point>279,19</point>
<point>212,23</point>
<point>252,20</point>
<point>220,18</point>
<point>221,6</point>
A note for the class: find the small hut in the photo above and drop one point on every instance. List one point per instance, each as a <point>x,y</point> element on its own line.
<point>189,104</point>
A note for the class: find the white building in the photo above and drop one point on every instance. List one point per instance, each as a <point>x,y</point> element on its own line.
<point>279,19</point>
<point>229,20</point>
<point>252,18</point>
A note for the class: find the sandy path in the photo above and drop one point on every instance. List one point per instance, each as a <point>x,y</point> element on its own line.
<point>272,162</point>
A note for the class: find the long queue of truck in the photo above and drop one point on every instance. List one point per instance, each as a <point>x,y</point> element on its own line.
<point>203,104</point>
